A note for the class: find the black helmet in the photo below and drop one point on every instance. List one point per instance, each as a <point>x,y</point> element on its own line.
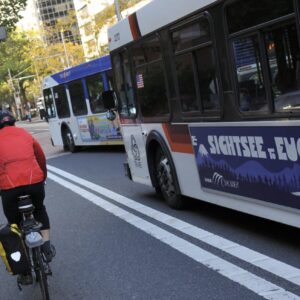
<point>6,118</point>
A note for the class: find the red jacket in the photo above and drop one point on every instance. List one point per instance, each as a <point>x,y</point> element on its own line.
<point>22,160</point>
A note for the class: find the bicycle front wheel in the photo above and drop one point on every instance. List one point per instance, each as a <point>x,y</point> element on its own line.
<point>39,270</point>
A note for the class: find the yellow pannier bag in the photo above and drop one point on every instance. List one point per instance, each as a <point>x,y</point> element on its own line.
<point>12,250</point>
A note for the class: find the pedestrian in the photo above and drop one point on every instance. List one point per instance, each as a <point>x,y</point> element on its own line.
<point>28,115</point>
<point>23,171</point>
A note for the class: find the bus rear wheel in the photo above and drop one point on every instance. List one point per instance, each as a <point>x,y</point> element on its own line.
<point>68,140</point>
<point>166,181</point>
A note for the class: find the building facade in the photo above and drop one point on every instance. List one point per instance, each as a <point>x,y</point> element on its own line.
<point>87,11</point>
<point>89,14</point>
<point>57,20</point>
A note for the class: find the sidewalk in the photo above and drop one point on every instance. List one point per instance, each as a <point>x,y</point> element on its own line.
<point>33,120</point>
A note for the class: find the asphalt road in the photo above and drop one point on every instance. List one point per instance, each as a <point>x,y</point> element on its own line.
<point>116,239</point>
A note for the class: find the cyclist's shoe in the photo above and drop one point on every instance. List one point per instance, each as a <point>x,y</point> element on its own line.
<point>48,251</point>
<point>25,279</point>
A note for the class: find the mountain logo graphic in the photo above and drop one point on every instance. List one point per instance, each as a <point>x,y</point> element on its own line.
<point>217,178</point>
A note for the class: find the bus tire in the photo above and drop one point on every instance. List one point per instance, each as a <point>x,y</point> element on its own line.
<point>68,140</point>
<point>165,176</point>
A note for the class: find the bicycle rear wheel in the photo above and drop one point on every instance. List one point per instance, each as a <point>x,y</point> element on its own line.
<point>39,270</point>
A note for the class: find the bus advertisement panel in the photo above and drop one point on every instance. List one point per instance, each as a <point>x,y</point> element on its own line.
<point>98,128</point>
<point>259,162</point>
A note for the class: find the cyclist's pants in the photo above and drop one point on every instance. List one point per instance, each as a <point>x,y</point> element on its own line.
<point>10,203</point>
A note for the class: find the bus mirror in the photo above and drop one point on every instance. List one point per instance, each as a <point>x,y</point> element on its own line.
<point>108,98</point>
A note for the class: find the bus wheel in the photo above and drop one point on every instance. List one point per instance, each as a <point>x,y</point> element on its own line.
<point>69,141</point>
<point>165,179</point>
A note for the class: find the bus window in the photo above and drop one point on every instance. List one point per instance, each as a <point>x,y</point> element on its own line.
<point>244,14</point>
<point>77,98</point>
<point>284,67</point>
<point>151,90</point>
<point>251,87</point>
<point>150,79</point>
<point>61,102</point>
<point>208,82</point>
<point>186,83</point>
<point>95,88</point>
<point>191,35</point>
<point>196,67</point>
<point>49,104</point>
<point>124,85</point>
<point>146,52</point>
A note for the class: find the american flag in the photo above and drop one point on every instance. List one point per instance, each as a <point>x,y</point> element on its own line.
<point>139,81</point>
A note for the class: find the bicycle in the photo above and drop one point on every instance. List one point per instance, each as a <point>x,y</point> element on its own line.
<point>30,229</point>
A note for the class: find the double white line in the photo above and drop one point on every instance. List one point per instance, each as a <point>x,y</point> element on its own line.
<point>251,281</point>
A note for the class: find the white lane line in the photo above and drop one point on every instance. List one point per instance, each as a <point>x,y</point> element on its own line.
<point>57,155</point>
<point>255,258</point>
<point>250,281</point>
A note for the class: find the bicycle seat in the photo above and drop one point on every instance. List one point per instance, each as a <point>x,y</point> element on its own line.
<point>25,204</point>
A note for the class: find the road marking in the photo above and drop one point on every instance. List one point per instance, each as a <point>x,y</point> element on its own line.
<point>57,155</point>
<point>255,258</point>
<point>252,282</point>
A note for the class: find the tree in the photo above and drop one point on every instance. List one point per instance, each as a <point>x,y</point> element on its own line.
<point>105,18</point>
<point>15,57</point>
<point>10,12</point>
<point>29,61</point>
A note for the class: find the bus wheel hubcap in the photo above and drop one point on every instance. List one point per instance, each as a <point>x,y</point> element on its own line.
<point>165,177</point>
<point>69,138</point>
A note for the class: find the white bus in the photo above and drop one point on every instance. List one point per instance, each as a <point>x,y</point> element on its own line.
<point>74,107</point>
<point>209,102</point>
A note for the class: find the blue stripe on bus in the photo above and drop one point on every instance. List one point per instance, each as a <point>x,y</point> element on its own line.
<point>86,69</point>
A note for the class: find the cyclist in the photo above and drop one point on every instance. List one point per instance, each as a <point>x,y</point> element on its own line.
<point>23,172</point>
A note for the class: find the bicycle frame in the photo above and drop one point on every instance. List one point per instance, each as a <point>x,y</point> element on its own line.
<point>33,240</point>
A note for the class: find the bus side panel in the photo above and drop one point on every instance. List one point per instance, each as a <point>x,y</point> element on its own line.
<point>190,185</point>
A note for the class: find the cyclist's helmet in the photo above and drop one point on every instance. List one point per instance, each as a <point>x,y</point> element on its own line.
<point>6,118</point>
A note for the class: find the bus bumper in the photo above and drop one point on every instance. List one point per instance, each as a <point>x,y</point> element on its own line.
<point>127,170</point>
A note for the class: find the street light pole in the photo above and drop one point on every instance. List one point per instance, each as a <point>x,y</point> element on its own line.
<point>65,49</point>
<point>118,12</point>
<point>16,96</point>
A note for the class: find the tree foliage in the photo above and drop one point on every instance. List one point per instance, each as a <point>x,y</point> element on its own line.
<point>10,12</point>
<point>29,61</point>
<point>107,17</point>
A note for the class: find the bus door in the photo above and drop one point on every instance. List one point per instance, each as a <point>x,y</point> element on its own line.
<point>135,139</point>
